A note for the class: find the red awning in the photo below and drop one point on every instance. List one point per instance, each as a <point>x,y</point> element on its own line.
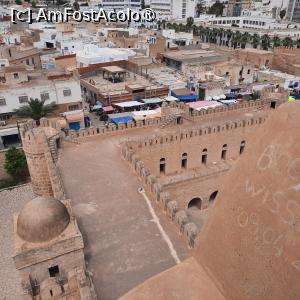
<point>108,108</point>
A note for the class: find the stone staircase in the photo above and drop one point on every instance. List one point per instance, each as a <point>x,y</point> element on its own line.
<point>53,148</point>
<point>70,139</point>
<point>170,119</point>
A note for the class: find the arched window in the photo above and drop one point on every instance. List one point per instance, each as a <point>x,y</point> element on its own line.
<point>162,165</point>
<point>195,203</point>
<point>204,156</point>
<point>184,161</point>
<point>242,147</point>
<point>224,152</point>
<point>212,197</point>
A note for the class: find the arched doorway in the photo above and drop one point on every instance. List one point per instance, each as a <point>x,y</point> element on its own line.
<point>212,197</point>
<point>184,161</point>
<point>195,203</point>
<point>162,165</point>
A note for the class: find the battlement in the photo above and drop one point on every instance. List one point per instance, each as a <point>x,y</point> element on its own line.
<point>178,216</point>
<point>40,148</point>
<point>195,132</point>
<point>183,110</point>
<point>283,49</point>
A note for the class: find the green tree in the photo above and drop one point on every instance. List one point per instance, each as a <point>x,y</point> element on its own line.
<point>15,164</point>
<point>265,42</point>
<point>158,24</point>
<point>200,8</point>
<point>245,38</point>
<point>282,13</point>
<point>276,41</point>
<point>189,22</point>
<point>181,27</point>
<point>176,27</point>
<point>76,6</point>
<point>169,25</point>
<point>33,4</point>
<point>35,109</point>
<point>236,39</point>
<point>288,42</point>
<point>255,39</point>
<point>228,34</point>
<point>18,2</point>
<point>297,43</point>
<point>216,9</point>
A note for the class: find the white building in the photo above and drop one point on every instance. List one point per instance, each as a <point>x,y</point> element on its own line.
<point>64,38</point>
<point>121,4</point>
<point>174,39</point>
<point>92,54</point>
<point>174,9</point>
<point>249,22</point>
<point>105,31</point>
<point>66,93</point>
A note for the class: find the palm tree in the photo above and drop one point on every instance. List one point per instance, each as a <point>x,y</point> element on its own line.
<point>159,24</point>
<point>169,25</point>
<point>221,35</point>
<point>236,40</point>
<point>228,34</point>
<point>245,39</point>
<point>35,109</point>
<point>181,27</point>
<point>297,43</point>
<point>201,32</point>
<point>288,42</point>
<point>175,27</point>
<point>214,35</point>
<point>265,42</point>
<point>276,41</point>
<point>255,40</point>
<point>195,29</point>
<point>189,22</point>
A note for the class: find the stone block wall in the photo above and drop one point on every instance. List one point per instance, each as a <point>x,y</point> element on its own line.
<point>153,188</point>
<point>45,177</point>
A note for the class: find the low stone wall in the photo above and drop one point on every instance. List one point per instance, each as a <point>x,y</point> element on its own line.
<point>194,116</point>
<point>179,217</point>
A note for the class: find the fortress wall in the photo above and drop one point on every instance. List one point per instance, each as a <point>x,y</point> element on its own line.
<point>193,142</point>
<point>174,192</point>
<point>45,177</point>
<point>200,187</point>
<point>154,190</point>
<point>195,116</point>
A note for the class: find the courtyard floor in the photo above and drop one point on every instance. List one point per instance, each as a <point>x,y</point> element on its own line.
<point>123,245</point>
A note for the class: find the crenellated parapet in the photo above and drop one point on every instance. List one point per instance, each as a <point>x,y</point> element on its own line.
<point>40,147</point>
<point>173,108</point>
<point>197,132</point>
<point>171,208</point>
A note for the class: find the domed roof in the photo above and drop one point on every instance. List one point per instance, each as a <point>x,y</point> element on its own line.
<point>42,219</point>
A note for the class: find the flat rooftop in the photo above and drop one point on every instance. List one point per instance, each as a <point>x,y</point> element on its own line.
<point>114,69</point>
<point>131,80</point>
<point>189,55</point>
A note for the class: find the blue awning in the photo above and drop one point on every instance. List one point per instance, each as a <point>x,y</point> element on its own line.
<point>185,98</point>
<point>231,95</point>
<point>124,119</point>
